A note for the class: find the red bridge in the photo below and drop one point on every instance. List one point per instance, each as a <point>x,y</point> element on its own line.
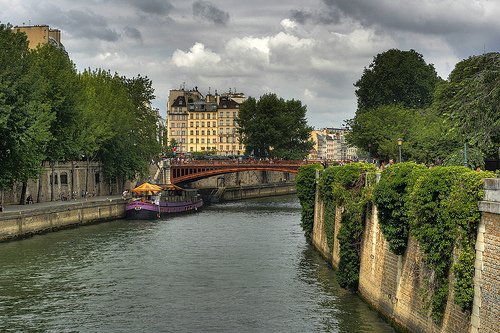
<point>194,170</point>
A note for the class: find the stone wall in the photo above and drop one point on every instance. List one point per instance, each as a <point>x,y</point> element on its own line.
<point>42,219</point>
<point>486,308</point>
<point>76,176</point>
<point>395,285</point>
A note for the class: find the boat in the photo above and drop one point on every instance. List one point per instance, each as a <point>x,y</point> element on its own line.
<point>152,201</point>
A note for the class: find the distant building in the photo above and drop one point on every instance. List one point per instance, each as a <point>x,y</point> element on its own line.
<point>330,145</point>
<point>40,35</point>
<point>204,123</point>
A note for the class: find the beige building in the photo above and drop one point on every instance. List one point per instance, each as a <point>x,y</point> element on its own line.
<point>40,35</point>
<point>204,123</point>
<point>330,145</point>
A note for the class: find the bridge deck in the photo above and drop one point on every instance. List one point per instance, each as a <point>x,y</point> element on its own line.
<point>181,171</point>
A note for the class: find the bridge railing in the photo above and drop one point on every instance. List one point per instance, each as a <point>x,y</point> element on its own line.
<point>233,162</point>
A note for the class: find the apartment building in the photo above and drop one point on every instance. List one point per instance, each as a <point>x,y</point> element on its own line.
<point>204,123</point>
<point>330,144</point>
<point>40,35</point>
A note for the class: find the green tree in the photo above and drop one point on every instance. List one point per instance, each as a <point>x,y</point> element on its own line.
<point>25,115</point>
<point>470,100</point>
<point>273,127</point>
<point>396,77</point>
<point>379,129</point>
<point>122,126</point>
<point>64,96</point>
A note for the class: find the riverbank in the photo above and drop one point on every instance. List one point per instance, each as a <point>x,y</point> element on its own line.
<point>19,221</point>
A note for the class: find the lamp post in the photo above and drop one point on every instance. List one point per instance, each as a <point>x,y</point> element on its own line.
<point>400,142</point>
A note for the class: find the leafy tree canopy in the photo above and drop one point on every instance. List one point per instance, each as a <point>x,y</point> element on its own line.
<point>273,127</point>
<point>470,100</point>
<point>396,77</point>
<point>25,116</point>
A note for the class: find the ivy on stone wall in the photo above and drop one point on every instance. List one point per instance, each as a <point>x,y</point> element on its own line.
<point>306,191</point>
<point>326,193</point>
<point>391,195</point>
<point>444,216</point>
<point>349,192</point>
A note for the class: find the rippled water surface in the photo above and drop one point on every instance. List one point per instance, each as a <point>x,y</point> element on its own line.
<point>236,267</point>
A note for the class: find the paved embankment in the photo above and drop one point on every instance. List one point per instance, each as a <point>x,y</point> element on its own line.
<point>24,220</point>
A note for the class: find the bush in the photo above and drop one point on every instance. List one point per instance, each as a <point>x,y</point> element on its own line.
<point>306,192</point>
<point>444,215</point>
<point>391,195</point>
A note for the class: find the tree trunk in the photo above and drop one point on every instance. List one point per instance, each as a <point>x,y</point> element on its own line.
<point>22,201</point>
<point>87,176</point>
<point>52,180</point>
<point>72,194</point>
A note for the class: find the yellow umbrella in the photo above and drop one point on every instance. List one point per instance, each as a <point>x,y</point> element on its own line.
<point>147,187</point>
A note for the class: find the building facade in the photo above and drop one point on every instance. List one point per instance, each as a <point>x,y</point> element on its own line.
<point>40,35</point>
<point>330,145</point>
<point>205,124</point>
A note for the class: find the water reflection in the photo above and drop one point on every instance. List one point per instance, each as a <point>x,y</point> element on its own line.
<point>236,267</point>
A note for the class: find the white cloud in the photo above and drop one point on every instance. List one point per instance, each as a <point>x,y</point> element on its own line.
<point>197,56</point>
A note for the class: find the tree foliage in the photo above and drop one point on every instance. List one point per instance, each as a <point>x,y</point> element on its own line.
<point>470,100</point>
<point>25,115</point>
<point>50,112</point>
<point>396,77</point>
<point>273,127</point>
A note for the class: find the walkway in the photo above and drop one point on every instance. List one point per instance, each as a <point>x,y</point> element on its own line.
<point>69,203</point>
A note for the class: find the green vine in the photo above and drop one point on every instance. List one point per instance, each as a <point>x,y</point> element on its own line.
<point>443,216</point>
<point>349,192</point>
<point>306,191</point>
<point>391,195</point>
<point>326,192</point>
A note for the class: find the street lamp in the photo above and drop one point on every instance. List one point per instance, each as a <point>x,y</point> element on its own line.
<point>400,142</point>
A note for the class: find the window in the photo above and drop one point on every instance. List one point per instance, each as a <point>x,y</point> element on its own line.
<point>221,131</point>
<point>197,124</point>
<point>55,179</point>
<point>208,140</point>
<point>64,178</point>
<point>221,114</point>
<point>183,133</point>
<point>214,132</point>
<point>191,132</point>
<point>202,116</point>
<point>208,115</point>
<point>208,124</point>
<point>227,147</point>
<point>183,140</point>
<point>221,148</point>
<point>221,123</point>
<point>191,140</point>
<point>234,114</point>
<point>197,132</point>
<point>191,149</point>
<point>202,124</point>
<point>191,124</point>
<point>227,114</point>
<point>202,132</point>
<point>197,116</point>
<point>197,140</point>
<point>214,123</point>
<point>227,122</point>
<point>191,116</point>
<point>202,140</point>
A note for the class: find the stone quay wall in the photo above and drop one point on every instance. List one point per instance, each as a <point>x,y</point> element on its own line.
<point>24,223</point>
<point>393,285</point>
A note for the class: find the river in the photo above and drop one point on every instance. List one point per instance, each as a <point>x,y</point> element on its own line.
<point>235,267</point>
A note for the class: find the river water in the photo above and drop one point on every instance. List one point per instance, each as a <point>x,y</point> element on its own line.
<point>236,267</point>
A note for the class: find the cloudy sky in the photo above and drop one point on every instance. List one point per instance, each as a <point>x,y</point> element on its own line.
<point>311,50</point>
